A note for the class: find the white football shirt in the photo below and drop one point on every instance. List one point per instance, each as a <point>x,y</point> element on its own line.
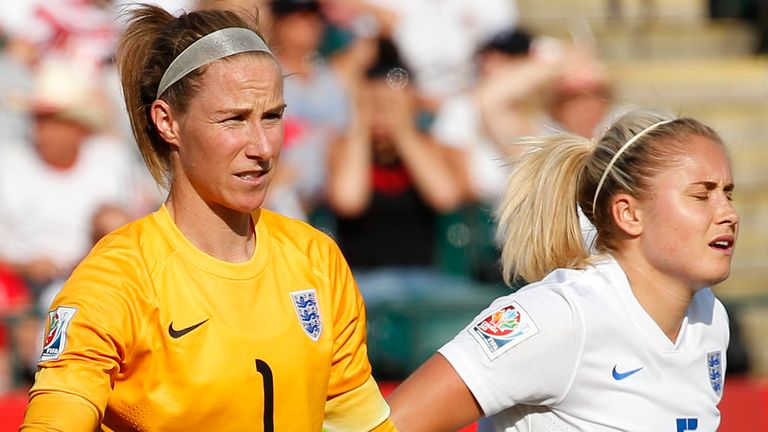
<point>577,352</point>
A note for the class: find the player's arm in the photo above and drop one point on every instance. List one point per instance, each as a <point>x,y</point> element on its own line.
<point>494,364</point>
<point>354,400</point>
<point>72,384</point>
<point>435,383</point>
<point>90,326</point>
<point>59,412</point>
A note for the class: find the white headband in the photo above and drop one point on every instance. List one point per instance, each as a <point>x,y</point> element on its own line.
<point>619,153</point>
<point>213,46</point>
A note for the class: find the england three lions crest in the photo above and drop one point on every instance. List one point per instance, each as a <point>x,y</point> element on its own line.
<point>715,369</point>
<point>308,311</point>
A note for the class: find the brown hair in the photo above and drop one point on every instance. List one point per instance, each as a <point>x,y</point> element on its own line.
<point>539,225</point>
<point>151,41</point>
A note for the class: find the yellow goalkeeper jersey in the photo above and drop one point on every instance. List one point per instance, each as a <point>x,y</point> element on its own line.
<point>152,334</point>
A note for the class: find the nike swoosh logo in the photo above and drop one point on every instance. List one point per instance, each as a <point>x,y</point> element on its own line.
<point>179,333</point>
<point>618,376</point>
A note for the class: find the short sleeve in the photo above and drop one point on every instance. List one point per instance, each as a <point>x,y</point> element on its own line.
<point>350,367</point>
<point>90,329</point>
<point>354,400</point>
<point>523,349</point>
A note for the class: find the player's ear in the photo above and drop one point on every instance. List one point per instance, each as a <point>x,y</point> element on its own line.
<point>163,119</point>
<point>626,213</point>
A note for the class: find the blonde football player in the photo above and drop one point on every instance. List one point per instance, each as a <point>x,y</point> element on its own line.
<point>630,339</point>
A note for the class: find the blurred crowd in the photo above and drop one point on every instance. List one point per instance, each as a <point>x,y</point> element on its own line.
<point>402,116</point>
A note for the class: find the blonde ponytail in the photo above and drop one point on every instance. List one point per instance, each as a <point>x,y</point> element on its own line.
<point>538,219</point>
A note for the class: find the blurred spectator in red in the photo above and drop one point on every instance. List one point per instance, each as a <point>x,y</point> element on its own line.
<point>50,187</point>
<point>388,181</point>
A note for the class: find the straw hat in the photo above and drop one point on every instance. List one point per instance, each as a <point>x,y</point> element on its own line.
<point>64,90</point>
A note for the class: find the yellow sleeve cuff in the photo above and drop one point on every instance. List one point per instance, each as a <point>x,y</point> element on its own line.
<point>59,412</point>
<point>361,409</point>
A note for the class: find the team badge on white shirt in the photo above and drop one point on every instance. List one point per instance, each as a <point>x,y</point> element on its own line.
<point>715,365</point>
<point>503,329</point>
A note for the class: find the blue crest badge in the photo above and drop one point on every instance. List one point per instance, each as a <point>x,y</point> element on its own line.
<point>308,311</point>
<point>715,368</point>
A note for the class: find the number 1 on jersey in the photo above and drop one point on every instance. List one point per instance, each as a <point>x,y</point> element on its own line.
<point>269,395</point>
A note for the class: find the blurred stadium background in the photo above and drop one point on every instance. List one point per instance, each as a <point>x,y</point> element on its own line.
<point>670,54</point>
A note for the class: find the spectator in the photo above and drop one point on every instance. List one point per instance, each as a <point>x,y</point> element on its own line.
<point>480,127</point>
<point>517,73</point>
<point>481,124</point>
<point>318,106</point>
<point>388,182</point>
<point>581,100</point>
<point>49,188</point>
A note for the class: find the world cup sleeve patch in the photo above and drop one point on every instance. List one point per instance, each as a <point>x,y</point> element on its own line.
<point>503,329</point>
<point>56,336</point>
<point>308,312</point>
